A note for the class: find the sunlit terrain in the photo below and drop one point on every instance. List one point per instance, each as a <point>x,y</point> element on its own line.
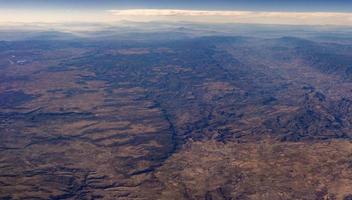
<point>176,100</point>
<point>181,111</point>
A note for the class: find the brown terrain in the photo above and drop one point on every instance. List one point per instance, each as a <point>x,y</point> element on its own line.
<point>204,118</point>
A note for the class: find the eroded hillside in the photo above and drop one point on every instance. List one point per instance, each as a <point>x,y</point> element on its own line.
<point>201,118</point>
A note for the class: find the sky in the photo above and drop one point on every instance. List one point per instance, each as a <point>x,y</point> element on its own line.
<point>301,12</point>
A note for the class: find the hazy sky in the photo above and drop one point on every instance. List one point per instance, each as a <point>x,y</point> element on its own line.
<point>332,12</point>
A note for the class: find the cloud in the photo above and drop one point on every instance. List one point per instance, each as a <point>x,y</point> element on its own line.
<point>297,18</point>
<point>166,12</point>
<point>9,16</point>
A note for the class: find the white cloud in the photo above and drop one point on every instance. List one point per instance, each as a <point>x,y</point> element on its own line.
<point>304,18</point>
<point>112,16</point>
<point>166,12</point>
